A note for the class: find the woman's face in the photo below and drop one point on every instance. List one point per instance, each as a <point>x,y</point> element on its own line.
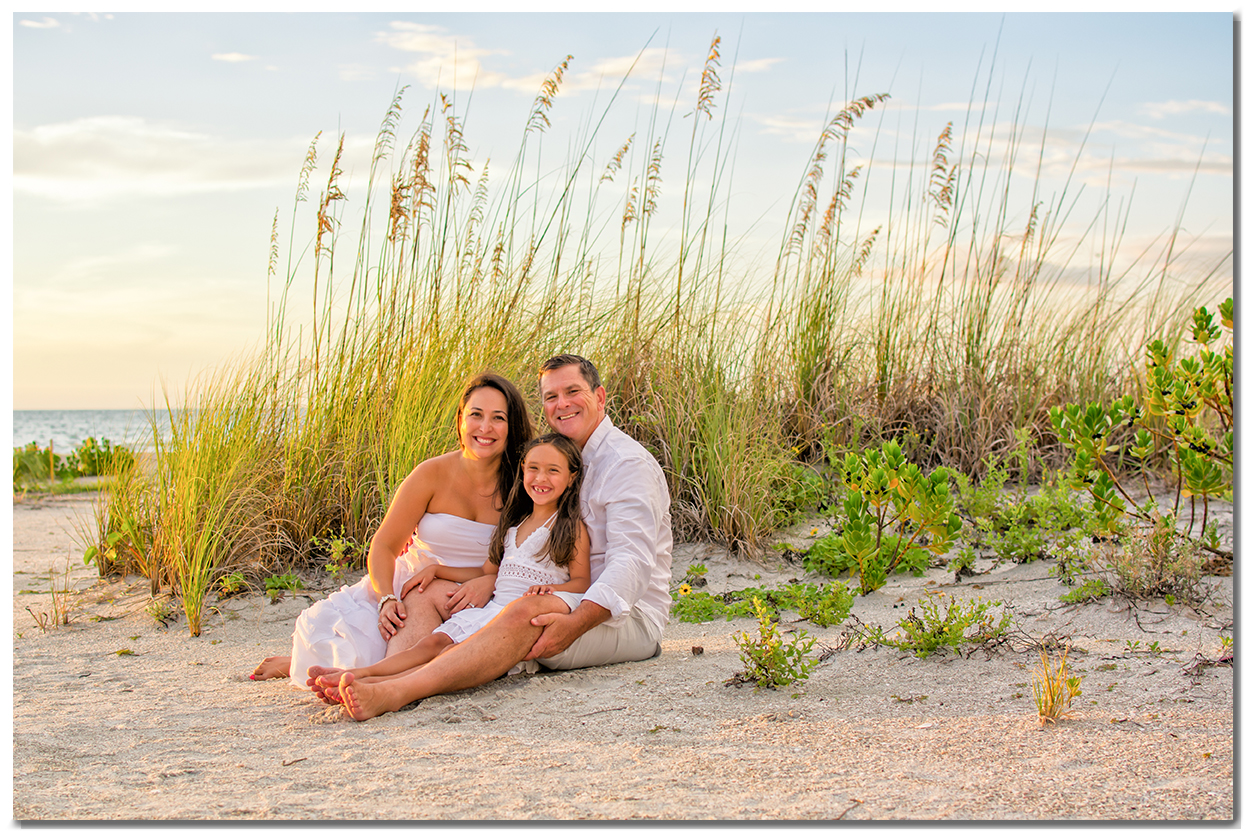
<point>484,426</point>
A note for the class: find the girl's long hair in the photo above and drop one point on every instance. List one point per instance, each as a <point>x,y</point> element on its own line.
<point>564,532</point>
<point>516,437</point>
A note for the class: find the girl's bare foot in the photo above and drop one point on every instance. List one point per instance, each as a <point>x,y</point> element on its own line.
<point>272,668</point>
<point>332,676</point>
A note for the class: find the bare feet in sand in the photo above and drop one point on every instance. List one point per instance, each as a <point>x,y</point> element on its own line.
<point>272,668</point>
<point>362,699</point>
<point>325,682</point>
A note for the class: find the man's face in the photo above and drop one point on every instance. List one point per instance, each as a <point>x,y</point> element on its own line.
<point>571,407</point>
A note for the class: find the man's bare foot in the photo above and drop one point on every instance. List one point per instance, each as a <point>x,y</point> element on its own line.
<point>329,694</point>
<point>365,698</point>
<point>272,668</point>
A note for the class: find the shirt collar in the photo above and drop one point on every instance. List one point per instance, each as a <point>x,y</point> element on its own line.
<point>598,434</point>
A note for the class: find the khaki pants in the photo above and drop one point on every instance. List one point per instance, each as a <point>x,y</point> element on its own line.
<point>635,639</point>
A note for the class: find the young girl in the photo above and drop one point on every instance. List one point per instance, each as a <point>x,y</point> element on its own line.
<point>540,547</point>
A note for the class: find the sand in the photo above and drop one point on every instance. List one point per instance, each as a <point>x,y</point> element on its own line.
<point>119,717</point>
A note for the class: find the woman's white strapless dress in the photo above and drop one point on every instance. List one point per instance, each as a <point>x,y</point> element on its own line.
<point>342,630</point>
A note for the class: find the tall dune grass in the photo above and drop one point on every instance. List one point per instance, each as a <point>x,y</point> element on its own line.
<point>943,324</point>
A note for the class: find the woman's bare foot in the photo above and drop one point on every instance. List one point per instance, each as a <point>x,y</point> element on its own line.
<point>272,668</point>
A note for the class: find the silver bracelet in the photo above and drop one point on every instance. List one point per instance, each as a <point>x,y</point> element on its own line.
<point>384,600</point>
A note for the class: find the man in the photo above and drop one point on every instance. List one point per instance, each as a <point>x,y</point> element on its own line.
<point>626,508</point>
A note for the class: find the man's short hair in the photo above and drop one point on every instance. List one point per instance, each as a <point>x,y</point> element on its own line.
<point>586,369</point>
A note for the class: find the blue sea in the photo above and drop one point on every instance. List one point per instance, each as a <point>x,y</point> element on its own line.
<point>67,429</point>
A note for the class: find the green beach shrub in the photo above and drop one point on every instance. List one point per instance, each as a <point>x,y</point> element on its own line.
<point>770,661</point>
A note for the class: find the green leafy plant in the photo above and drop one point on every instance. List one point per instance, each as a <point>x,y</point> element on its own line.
<point>232,584</point>
<point>962,564</point>
<point>824,605</point>
<point>343,553</point>
<point>945,622</point>
<point>160,610</point>
<point>1093,589</point>
<point>276,585</point>
<point>1053,688</point>
<point>1185,416</point>
<point>769,660</point>
<point>694,577</point>
<point>893,514</point>
<point>103,458</point>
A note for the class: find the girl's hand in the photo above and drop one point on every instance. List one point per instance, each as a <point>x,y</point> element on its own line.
<point>391,619</point>
<point>540,590</point>
<point>475,592</point>
<point>419,581</point>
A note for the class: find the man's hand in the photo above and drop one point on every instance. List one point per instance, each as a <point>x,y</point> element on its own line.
<point>560,632</point>
<point>475,592</point>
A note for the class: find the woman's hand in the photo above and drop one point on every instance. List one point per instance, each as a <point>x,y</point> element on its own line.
<point>419,581</point>
<point>539,590</point>
<point>391,618</point>
<point>475,592</point>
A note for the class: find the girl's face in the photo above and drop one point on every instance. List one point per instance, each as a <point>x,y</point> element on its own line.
<point>545,474</point>
<point>484,427</point>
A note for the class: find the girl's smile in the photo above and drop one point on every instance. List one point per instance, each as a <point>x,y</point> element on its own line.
<point>546,475</point>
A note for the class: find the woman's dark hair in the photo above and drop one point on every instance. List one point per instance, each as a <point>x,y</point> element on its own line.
<point>563,534</point>
<point>519,432</point>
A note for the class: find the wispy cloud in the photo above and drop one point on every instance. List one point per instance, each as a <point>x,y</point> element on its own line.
<point>1172,107</point>
<point>355,72</point>
<point>233,57</point>
<point>96,158</point>
<point>456,63</point>
<point>757,65</point>
<point>792,129</point>
<point>128,261</point>
<point>46,23</point>
<point>443,59</point>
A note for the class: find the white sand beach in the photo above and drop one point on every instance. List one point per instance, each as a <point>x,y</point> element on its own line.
<point>119,717</point>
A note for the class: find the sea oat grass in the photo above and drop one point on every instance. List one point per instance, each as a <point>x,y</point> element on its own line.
<point>950,324</point>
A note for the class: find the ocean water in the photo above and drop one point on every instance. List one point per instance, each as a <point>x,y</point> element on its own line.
<point>67,429</point>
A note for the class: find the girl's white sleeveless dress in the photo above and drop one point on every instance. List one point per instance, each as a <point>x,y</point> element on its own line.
<point>342,631</point>
<point>521,568</point>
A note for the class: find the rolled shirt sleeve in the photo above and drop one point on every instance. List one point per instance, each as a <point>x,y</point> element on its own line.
<point>626,507</point>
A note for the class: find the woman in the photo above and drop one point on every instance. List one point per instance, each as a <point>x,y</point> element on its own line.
<point>444,512</point>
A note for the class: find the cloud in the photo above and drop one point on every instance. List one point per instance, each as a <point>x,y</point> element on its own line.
<point>1159,110</point>
<point>355,72</point>
<point>233,57</point>
<point>129,262</point>
<point>95,158</point>
<point>790,128</point>
<point>46,23</point>
<point>1136,131</point>
<point>757,65</point>
<point>454,62</point>
<point>445,60</point>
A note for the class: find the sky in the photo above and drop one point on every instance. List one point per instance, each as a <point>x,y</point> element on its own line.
<point>151,152</point>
